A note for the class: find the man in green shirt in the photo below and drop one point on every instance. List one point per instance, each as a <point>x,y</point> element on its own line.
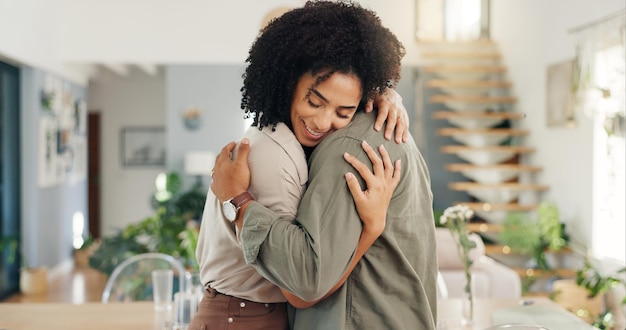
<point>394,285</point>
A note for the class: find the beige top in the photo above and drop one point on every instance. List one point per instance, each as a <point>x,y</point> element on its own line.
<point>278,178</point>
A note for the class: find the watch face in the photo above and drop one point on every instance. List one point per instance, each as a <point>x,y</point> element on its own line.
<point>229,210</point>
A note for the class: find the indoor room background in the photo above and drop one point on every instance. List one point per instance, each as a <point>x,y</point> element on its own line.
<point>153,64</point>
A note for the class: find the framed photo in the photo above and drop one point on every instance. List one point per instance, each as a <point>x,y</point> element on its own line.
<point>143,146</point>
<point>559,95</point>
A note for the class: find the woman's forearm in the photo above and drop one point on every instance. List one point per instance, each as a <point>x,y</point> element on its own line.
<point>367,238</point>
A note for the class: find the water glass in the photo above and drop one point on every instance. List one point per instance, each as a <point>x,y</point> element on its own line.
<point>185,308</point>
<point>162,289</point>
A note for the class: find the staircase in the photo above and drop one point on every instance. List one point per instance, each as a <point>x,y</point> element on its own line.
<point>469,89</point>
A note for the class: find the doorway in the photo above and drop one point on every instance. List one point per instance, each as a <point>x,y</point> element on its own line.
<point>93,174</point>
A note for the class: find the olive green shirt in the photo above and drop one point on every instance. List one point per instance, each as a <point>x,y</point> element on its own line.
<point>394,284</point>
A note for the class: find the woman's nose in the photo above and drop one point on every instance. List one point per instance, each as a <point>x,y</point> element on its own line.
<point>323,122</point>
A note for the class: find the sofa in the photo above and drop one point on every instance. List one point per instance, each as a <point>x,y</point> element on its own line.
<point>491,278</point>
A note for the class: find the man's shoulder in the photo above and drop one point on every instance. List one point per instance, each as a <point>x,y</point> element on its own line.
<point>362,128</point>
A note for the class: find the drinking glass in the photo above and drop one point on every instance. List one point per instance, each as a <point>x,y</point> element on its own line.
<point>162,289</point>
<point>185,308</point>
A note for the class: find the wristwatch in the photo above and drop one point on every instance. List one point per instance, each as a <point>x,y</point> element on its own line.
<point>232,206</point>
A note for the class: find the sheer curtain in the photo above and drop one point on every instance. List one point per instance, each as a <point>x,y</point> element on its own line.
<point>598,77</point>
<point>599,86</point>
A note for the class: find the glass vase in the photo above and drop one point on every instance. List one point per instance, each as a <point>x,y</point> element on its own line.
<point>468,303</point>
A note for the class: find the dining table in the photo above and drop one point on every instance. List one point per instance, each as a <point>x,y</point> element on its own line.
<point>488,312</point>
<point>141,315</point>
<point>90,315</point>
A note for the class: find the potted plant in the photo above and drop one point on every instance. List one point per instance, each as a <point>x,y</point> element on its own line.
<point>587,296</point>
<point>82,254</point>
<point>33,280</point>
<point>171,230</point>
<point>8,253</point>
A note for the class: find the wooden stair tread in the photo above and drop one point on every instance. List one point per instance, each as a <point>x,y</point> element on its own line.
<point>484,227</point>
<point>472,99</point>
<point>558,272</point>
<point>503,249</point>
<point>448,131</point>
<point>494,55</point>
<point>487,207</point>
<point>477,114</point>
<point>451,149</point>
<point>458,167</point>
<point>461,186</point>
<point>464,68</point>
<point>467,83</point>
<point>478,42</point>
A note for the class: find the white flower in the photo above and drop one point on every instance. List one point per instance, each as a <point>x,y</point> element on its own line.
<point>443,219</point>
<point>456,212</point>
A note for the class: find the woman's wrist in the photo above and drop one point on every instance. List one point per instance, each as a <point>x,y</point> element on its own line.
<point>373,229</point>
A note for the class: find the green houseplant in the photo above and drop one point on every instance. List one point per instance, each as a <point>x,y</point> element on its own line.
<point>171,230</point>
<point>533,237</point>
<point>597,284</point>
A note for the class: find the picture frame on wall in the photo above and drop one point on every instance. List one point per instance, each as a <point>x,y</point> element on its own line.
<point>49,173</point>
<point>559,95</point>
<point>142,146</point>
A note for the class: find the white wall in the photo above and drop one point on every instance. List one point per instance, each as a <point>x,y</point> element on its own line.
<point>135,100</point>
<point>66,36</point>
<point>532,35</point>
<point>183,32</point>
<point>29,35</point>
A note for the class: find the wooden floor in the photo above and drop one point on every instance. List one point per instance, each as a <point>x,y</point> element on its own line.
<point>77,286</point>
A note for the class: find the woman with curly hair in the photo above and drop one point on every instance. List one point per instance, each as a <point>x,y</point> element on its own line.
<point>309,72</point>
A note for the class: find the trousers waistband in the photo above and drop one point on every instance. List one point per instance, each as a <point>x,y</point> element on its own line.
<point>212,293</point>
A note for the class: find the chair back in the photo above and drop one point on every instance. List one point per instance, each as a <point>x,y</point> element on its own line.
<point>131,280</point>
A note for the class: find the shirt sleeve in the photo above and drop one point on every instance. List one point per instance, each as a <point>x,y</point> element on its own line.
<point>309,256</point>
<point>278,170</point>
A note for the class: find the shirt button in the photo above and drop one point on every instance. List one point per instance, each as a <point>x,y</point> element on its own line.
<point>242,304</point>
<point>230,320</point>
<point>267,305</point>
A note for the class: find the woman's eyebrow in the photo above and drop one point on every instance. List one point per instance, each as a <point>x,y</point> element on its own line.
<point>316,92</point>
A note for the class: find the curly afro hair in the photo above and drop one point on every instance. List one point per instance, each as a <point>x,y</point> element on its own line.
<point>320,38</point>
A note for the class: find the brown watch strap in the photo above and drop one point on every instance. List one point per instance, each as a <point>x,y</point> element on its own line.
<point>241,199</point>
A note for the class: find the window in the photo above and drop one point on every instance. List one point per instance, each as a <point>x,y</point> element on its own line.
<point>609,214</point>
